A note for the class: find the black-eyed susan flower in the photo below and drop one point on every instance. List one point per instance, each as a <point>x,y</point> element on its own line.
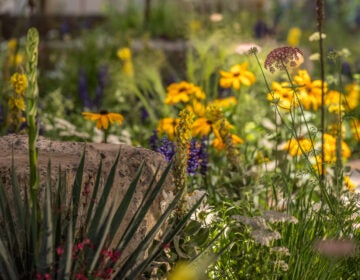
<point>225,103</point>
<point>183,92</point>
<point>352,97</point>
<point>237,76</point>
<point>282,95</point>
<point>309,91</point>
<point>168,126</point>
<point>104,118</point>
<point>219,144</point>
<point>298,146</point>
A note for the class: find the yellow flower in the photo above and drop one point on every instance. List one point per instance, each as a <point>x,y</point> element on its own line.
<point>298,147</point>
<point>202,127</point>
<point>282,95</point>
<point>168,125</point>
<point>237,76</point>
<point>16,103</point>
<point>220,145</point>
<point>355,129</point>
<point>352,96</point>
<point>183,271</point>
<point>183,92</point>
<point>309,91</point>
<point>16,59</point>
<point>197,108</point>
<point>226,102</point>
<point>103,118</point>
<point>12,44</point>
<point>19,82</point>
<point>128,68</point>
<point>349,183</point>
<point>294,36</point>
<point>184,127</point>
<point>124,53</point>
<point>330,149</point>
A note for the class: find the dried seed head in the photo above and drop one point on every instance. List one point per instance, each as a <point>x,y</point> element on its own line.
<point>282,57</point>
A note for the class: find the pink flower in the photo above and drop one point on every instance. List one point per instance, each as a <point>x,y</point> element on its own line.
<point>59,250</point>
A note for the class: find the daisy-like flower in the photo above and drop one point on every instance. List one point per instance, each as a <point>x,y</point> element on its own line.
<point>183,92</point>
<point>355,129</point>
<point>352,97</point>
<point>237,76</point>
<point>226,102</point>
<point>19,82</point>
<point>282,95</point>
<point>168,125</point>
<point>349,184</point>
<point>220,145</point>
<point>330,149</point>
<point>298,147</point>
<point>309,91</point>
<point>103,118</point>
<point>283,57</point>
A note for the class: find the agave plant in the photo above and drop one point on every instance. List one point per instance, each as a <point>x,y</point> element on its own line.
<point>66,240</point>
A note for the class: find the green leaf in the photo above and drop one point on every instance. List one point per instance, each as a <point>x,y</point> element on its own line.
<point>47,246</point>
<point>7,267</point>
<point>168,236</point>
<point>100,212</point>
<point>143,209</point>
<point>128,265</point>
<point>76,189</point>
<point>66,259</point>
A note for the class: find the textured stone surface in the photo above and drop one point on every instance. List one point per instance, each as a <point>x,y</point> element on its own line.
<point>68,154</point>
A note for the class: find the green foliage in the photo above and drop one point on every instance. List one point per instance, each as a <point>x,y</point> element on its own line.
<point>70,236</point>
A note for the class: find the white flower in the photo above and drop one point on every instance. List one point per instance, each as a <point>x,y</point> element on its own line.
<point>316,36</point>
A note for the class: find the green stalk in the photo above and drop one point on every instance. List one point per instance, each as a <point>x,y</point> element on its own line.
<point>32,43</point>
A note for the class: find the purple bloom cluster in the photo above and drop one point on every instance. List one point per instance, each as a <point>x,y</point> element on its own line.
<point>167,148</point>
<point>197,158</point>
<point>280,57</point>
<point>102,77</point>
<point>203,156</point>
<point>193,159</point>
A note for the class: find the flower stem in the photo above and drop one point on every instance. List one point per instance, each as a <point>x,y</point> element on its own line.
<point>32,43</point>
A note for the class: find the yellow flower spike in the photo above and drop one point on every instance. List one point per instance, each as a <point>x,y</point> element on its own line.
<point>237,76</point>
<point>12,44</point>
<point>16,103</point>
<point>124,54</point>
<point>19,82</point>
